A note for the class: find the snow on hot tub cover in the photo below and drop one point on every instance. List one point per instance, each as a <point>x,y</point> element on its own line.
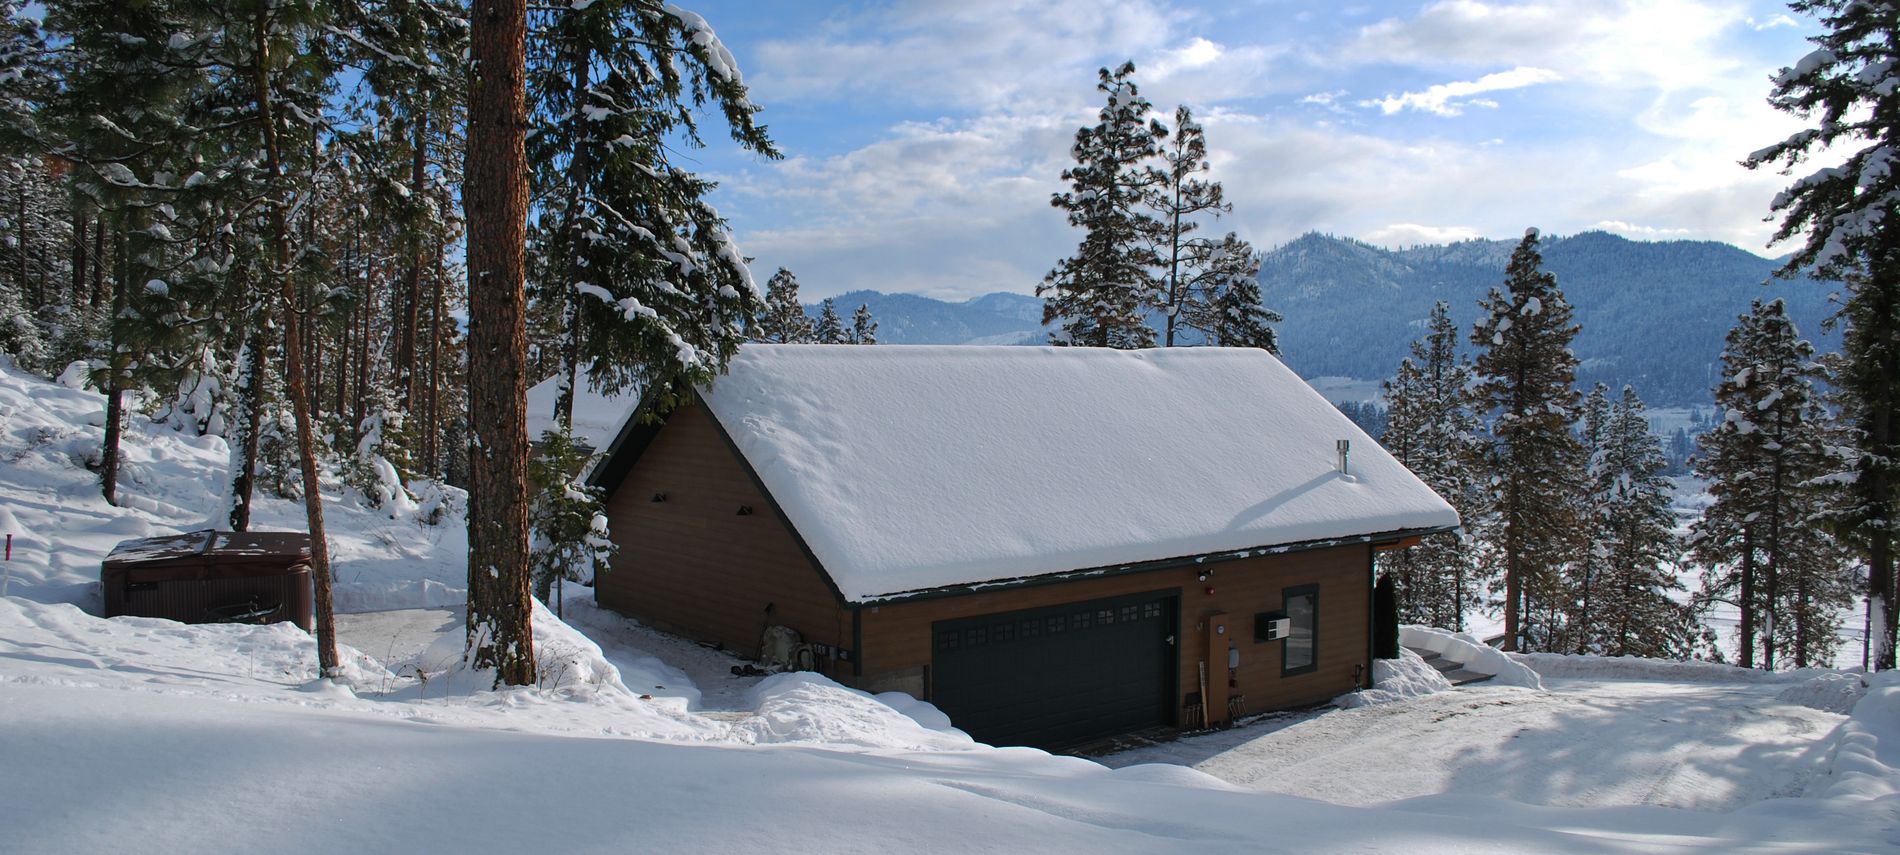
<point>907,468</point>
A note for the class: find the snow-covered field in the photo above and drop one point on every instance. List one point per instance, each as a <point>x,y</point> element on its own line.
<point>142,735</point>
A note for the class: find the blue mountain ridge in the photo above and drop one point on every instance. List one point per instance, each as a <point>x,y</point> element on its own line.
<point>1653,314</point>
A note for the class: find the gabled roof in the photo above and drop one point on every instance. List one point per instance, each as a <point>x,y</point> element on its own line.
<point>911,468</point>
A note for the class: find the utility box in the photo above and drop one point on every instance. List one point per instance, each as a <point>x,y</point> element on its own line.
<point>1271,626</point>
<point>211,577</point>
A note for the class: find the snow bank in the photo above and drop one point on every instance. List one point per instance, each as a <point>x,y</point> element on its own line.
<point>803,707</point>
<point>1835,693</point>
<point>1865,761</point>
<point>59,638</point>
<point>1396,679</point>
<point>1570,665</point>
<point>1476,655</point>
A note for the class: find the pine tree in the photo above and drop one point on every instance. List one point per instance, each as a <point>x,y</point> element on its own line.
<point>1221,296</point>
<point>1177,199</point>
<point>863,326</point>
<point>1760,460</point>
<point>783,320</point>
<point>1100,293</point>
<point>655,293</point>
<point>1621,605</point>
<point>1850,216</point>
<point>1525,374</point>
<point>1432,429</point>
<point>830,328</point>
<point>568,518</point>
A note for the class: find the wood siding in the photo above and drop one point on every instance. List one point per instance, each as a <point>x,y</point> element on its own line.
<point>694,566</point>
<point>898,636</point>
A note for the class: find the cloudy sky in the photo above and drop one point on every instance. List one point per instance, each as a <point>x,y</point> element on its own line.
<point>923,138</point>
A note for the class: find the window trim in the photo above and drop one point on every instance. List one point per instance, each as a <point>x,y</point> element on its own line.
<point>1287,595</point>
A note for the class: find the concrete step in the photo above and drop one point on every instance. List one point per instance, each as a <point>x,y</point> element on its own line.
<point>1444,665</point>
<point>1462,677</point>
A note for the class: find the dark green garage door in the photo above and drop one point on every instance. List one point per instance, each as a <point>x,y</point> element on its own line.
<point>1059,676</point>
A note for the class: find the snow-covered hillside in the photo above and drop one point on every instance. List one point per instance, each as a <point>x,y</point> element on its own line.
<point>143,735</point>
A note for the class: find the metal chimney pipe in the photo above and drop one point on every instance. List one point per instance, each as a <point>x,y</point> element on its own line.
<point>1345,450</point>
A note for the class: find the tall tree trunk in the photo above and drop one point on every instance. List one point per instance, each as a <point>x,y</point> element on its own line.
<point>296,388</point>
<point>99,295</point>
<point>247,420</point>
<point>412,276</point>
<point>578,168</point>
<point>1771,573</point>
<point>117,359</point>
<point>25,241</point>
<point>1513,571</point>
<point>495,205</point>
<point>1879,403</point>
<point>79,249</point>
<point>432,439</point>
<point>1748,600</point>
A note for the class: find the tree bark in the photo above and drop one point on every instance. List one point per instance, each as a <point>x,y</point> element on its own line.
<point>412,276</point>
<point>495,206</point>
<point>99,294</point>
<point>296,387</point>
<point>116,360</point>
<point>431,441</point>
<point>1747,600</point>
<point>249,406</point>
<point>80,221</point>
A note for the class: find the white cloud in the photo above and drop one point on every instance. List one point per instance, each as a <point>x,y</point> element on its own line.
<point>1771,23</point>
<point>1641,43</point>
<point>1638,231</point>
<point>972,54</point>
<point>1451,99</point>
<point>1413,234</point>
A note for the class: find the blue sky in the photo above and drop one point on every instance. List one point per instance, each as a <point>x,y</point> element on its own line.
<point>923,139</point>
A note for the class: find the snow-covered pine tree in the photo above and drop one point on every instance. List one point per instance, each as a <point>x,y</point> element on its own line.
<point>1849,216</point>
<point>1624,607</point>
<point>863,326</point>
<point>1526,373</point>
<point>32,265</point>
<point>1221,295</point>
<point>1177,199</point>
<point>783,319</point>
<point>1100,294</point>
<point>567,517</point>
<point>1761,460</point>
<point>1584,575</point>
<point>658,290</point>
<point>1432,429</point>
<point>830,327</point>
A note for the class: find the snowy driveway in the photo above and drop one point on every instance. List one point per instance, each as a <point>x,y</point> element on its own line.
<point>1587,743</point>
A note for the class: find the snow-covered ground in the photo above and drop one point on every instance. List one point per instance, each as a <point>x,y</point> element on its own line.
<point>1714,746</point>
<point>145,735</point>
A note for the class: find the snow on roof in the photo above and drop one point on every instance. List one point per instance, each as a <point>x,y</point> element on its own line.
<point>907,468</point>
<point>597,416</point>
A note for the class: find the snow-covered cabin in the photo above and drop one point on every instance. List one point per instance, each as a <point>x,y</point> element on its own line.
<point>1053,545</point>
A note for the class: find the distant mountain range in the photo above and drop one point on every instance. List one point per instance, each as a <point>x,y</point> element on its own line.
<point>1653,314</point>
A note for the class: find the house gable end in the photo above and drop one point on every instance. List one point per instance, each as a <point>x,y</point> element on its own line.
<point>704,552</point>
